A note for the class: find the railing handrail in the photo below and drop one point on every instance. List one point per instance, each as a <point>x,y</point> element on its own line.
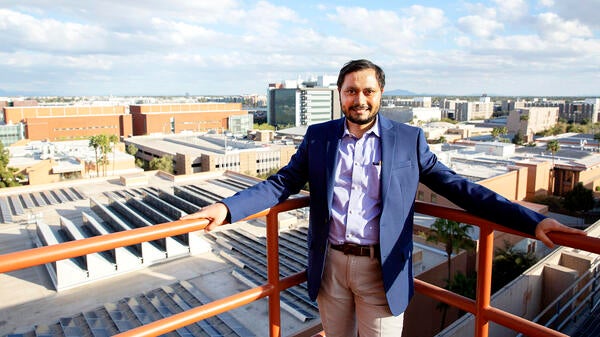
<point>480,307</point>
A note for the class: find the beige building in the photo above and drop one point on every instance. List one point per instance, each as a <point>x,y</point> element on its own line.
<point>51,162</point>
<point>462,110</point>
<point>193,153</point>
<point>529,121</point>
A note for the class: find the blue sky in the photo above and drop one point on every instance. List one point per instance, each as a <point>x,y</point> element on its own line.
<point>126,47</point>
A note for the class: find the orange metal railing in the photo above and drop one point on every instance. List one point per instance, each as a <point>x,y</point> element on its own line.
<point>480,307</point>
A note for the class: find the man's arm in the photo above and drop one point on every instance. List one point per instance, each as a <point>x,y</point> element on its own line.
<point>483,202</point>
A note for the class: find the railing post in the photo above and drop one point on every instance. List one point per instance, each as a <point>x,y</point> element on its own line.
<point>484,280</point>
<point>273,273</point>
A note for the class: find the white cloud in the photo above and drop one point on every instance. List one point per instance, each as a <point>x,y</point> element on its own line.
<point>415,23</point>
<point>21,31</point>
<point>266,18</point>
<point>584,11</point>
<point>552,27</point>
<point>157,47</point>
<point>484,25</point>
<point>546,3</point>
<point>511,10</point>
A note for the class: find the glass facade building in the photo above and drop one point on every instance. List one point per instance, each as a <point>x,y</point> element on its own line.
<point>10,134</point>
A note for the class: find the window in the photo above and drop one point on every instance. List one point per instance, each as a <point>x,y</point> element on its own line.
<point>433,198</point>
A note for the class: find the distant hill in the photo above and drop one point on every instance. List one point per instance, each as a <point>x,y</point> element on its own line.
<point>398,92</point>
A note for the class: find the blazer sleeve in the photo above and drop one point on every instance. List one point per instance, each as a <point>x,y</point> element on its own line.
<point>472,197</point>
<point>275,189</point>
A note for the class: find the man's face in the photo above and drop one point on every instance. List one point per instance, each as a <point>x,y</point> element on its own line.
<point>360,96</point>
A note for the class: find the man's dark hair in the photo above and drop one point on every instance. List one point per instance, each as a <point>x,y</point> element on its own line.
<point>357,65</point>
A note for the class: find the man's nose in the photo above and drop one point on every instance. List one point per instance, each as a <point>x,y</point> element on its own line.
<point>360,98</point>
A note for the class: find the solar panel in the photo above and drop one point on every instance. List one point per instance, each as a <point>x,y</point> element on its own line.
<point>49,197</point>
<point>37,199</point>
<point>15,204</point>
<point>58,194</point>
<point>5,210</point>
<point>69,194</point>
<point>27,201</point>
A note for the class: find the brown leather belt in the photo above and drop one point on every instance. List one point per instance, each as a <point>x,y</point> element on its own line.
<point>355,249</point>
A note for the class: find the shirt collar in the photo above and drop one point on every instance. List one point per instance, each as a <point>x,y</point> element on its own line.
<point>374,129</point>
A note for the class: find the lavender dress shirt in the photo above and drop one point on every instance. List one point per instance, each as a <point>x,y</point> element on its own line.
<point>356,193</point>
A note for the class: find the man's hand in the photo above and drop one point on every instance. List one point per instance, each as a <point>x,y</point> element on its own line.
<point>551,225</point>
<point>215,214</point>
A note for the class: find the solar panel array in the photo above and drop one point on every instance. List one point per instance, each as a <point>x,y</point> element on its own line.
<point>17,204</point>
<point>136,207</point>
<point>124,210</point>
<point>248,253</point>
<point>131,312</point>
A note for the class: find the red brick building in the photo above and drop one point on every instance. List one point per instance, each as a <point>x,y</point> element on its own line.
<point>70,122</point>
<point>175,118</point>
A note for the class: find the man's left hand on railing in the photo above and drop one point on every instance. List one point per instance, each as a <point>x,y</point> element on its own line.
<point>216,214</point>
<point>551,225</point>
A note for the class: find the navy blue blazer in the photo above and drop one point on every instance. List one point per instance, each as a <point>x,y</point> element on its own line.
<point>406,161</point>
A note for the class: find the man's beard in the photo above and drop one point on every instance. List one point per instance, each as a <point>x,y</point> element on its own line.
<point>359,121</point>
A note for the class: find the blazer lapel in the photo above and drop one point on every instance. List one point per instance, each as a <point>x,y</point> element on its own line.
<point>332,140</point>
<point>388,149</point>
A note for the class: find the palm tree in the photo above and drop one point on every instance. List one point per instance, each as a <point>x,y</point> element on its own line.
<point>113,139</point>
<point>553,146</point>
<point>455,236</point>
<point>509,263</point>
<point>95,143</point>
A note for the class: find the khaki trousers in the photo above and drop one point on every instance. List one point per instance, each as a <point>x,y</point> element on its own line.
<point>352,299</point>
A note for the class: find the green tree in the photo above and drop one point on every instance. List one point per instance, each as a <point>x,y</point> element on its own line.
<point>8,175</point>
<point>597,139</point>
<point>553,146</point>
<point>497,132</point>
<point>95,144</point>
<point>101,145</point>
<point>131,149</point>
<point>464,285</point>
<point>105,148</point>
<point>509,263</point>
<point>454,236</point>
<point>579,199</point>
<point>574,128</point>
<point>164,163</point>
<point>113,139</point>
<point>518,138</point>
<point>263,126</point>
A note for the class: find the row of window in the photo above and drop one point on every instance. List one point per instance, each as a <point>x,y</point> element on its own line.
<point>228,165</point>
<point>88,128</point>
<point>267,160</point>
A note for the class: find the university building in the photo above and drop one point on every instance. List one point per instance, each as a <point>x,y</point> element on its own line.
<point>195,117</point>
<point>69,122</point>
<point>294,103</point>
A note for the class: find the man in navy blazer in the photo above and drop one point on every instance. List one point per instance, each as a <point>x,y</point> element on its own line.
<point>363,171</point>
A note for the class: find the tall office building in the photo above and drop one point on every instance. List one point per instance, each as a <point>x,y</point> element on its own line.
<point>462,110</point>
<point>295,103</point>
